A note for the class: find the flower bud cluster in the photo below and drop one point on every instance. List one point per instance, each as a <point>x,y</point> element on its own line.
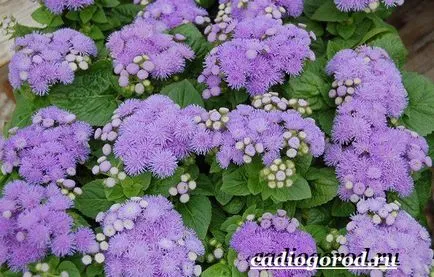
<point>223,25</point>
<point>366,6</point>
<point>214,120</point>
<point>216,251</point>
<point>279,174</point>
<point>343,91</point>
<point>271,101</point>
<point>183,188</point>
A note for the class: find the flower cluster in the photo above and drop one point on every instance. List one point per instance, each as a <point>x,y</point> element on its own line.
<point>34,222</point>
<point>42,60</point>
<point>279,174</point>
<point>186,185</point>
<point>146,235</point>
<point>273,234</point>
<point>384,228</point>
<point>233,11</point>
<point>365,5</point>
<point>153,135</point>
<point>371,157</point>
<point>142,50</point>
<point>251,132</point>
<point>261,52</point>
<point>174,13</point>
<point>57,6</point>
<point>214,120</point>
<point>48,150</point>
<point>271,101</point>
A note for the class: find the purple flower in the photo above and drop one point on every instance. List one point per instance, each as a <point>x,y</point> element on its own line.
<point>365,5</point>
<point>49,149</point>
<point>251,132</point>
<point>259,56</point>
<point>57,6</point>
<point>383,228</point>
<point>148,235</point>
<point>370,157</point>
<point>142,50</point>
<point>174,13</point>
<point>34,222</point>
<point>154,135</point>
<point>274,234</point>
<point>42,60</point>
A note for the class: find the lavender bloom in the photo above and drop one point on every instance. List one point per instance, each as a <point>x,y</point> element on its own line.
<point>231,12</point>
<point>48,150</point>
<point>146,235</point>
<point>251,132</point>
<point>365,5</point>
<point>174,13</point>
<point>368,74</point>
<point>273,234</point>
<point>370,157</point>
<point>34,222</point>
<point>153,135</point>
<point>57,6</point>
<point>42,60</point>
<point>241,9</point>
<point>261,53</point>
<point>384,228</point>
<point>141,50</point>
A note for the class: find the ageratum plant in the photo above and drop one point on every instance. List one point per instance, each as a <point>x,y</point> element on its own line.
<point>181,138</point>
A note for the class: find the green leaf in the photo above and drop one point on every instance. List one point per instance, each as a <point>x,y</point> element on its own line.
<point>235,205</point>
<point>43,15</point>
<point>324,186</point>
<point>394,46</point>
<point>235,181</point>
<point>318,232</point>
<point>196,214</point>
<point>254,182</point>
<point>336,273</point>
<point>129,11</point>
<point>194,39</point>
<point>94,270</point>
<point>346,30</point>
<point>299,190</point>
<point>92,95</point>
<point>421,103</point>
<point>342,209</point>
<point>56,22</point>
<point>93,199</point>
<point>183,93</point>
<point>302,163</point>
<point>221,270</point>
<point>328,12</point>
<point>95,33</point>
<point>135,186</point>
<point>87,13</point>
<point>110,3</point>
<point>336,45</point>
<point>99,16</point>
<point>325,119</point>
<point>70,268</point>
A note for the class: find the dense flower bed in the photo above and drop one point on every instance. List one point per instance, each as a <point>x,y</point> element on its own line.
<point>181,138</point>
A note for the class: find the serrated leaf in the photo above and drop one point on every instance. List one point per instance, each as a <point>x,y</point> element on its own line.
<point>92,95</point>
<point>235,181</point>
<point>93,199</point>
<point>318,232</point>
<point>99,16</point>
<point>110,3</point>
<point>346,30</point>
<point>196,214</point>
<point>324,187</point>
<point>342,209</point>
<point>421,103</point>
<point>183,93</point>
<point>87,13</point>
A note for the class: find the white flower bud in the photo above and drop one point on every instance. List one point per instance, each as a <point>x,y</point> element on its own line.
<point>184,198</point>
<point>100,237</point>
<point>192,185</point>
<point>87,260</point>
<point>104,246</point>
<point>99,258</point>
<point>192,256</point>
<point>218,253</point>
<point>7,214</point>
<point>173,191</point>
<point>329,238</point>
<point>45,267</point>
<point>128,224</point>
